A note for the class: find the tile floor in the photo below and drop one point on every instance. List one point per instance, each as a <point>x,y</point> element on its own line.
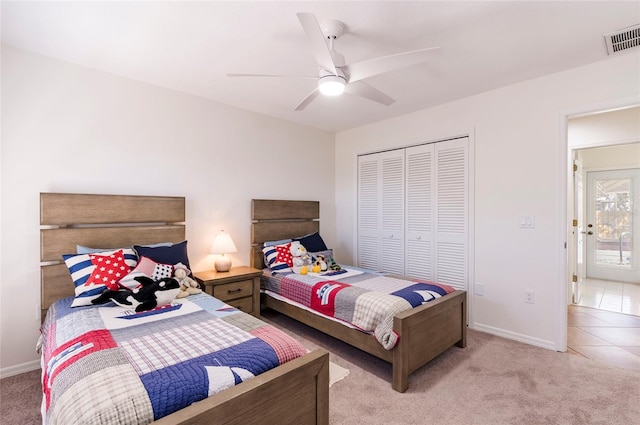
<point>611,296</point>
<point>604,336</point>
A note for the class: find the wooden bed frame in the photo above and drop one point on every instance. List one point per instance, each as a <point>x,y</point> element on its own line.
<point>424,331</point>
<point>295,392</point>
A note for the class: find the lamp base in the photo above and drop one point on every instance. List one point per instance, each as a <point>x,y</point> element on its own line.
<point>222,263</point>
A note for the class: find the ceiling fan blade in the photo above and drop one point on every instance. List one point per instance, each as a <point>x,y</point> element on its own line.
<point>362,89</point>
<point>307,100</point>
<point>318,41</point>
<point>309,77</point>
<point>368,68</point>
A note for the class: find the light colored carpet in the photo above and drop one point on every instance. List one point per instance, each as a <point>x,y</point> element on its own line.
<point>336,373</point>
<point>493,381</point>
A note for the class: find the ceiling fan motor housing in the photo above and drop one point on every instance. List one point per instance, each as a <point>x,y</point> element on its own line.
<point>325,72</point>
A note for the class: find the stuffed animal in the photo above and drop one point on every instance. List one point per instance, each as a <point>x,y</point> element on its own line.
<point>188,286</point>
<point>152,294</point>
<point>332,265</point>
<point>319,265</point>
<point>301,259</point>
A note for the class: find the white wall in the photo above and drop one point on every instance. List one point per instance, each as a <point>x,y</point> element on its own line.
<point>72,129</point>
<point>519,170</point>
<point>611,157</point>
<point>610,127</point>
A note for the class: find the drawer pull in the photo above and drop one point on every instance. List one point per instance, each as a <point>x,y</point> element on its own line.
<point>234,291</point>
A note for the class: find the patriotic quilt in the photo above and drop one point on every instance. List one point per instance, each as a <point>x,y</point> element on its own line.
<point>107,365</point>
<point>364,300</point>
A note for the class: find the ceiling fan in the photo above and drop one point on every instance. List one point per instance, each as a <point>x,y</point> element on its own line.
<point>335,76</point>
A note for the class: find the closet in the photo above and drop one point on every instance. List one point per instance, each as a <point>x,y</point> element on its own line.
<point>413,212</point>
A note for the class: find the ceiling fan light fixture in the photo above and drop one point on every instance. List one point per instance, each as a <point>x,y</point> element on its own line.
<point>331,85</point>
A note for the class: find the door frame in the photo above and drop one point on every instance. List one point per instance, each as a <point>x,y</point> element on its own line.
<point>576,255</point>
<point>565,203</point>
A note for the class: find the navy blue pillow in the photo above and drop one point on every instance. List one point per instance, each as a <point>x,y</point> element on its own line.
<point>171,254</point>
<point>313,242</point>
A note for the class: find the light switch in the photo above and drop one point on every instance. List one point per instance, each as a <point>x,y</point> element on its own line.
<point>527,222</point>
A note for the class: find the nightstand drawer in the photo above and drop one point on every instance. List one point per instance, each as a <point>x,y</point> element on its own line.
<point>239,287</point>
<point>234,290</point>
<point>243,304</point>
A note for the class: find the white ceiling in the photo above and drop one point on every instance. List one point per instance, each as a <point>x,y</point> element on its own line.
<point>191,46</point>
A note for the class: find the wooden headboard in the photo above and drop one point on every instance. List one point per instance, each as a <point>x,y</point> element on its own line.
<point>99,221</point>
<point>272,220</point>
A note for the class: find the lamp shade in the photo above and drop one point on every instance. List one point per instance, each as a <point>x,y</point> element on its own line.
<point>223,244</point>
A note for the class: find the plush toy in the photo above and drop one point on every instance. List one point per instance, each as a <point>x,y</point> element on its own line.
<point>152,294</point>
<point>333,265</point>
<point>320,264</point>
<point>188,286</point>
<point>301,259</point>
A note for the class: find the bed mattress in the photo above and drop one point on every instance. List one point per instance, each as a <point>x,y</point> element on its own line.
<point>361,299</point>
<point>106,365</point>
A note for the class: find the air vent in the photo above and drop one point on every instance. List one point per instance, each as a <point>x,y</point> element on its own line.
<point>624,39</point>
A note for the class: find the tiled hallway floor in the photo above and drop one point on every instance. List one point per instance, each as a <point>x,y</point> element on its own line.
<point>611,296</point>
<point>604,336</point>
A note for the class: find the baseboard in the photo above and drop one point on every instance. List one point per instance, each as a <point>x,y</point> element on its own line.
<point>18,369</point>
<point>549,345</point>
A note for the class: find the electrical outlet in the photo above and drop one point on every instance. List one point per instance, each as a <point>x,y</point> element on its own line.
<point>528,296</point>
<point>479,289</point>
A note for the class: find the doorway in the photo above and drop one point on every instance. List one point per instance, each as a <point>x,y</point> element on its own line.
<point>605,200</point>
<point>603,314</point>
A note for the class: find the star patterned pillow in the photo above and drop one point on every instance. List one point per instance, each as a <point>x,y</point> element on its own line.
<point>81,268</point>
<point>284,254</point>
<point>109,269</point>
<point>278,258</point>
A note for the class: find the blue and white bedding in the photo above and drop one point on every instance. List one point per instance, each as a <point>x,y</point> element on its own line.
<point>106,365</point>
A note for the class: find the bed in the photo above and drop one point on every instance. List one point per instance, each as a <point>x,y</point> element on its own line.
<point>422,332</point>
<point>296,391</point>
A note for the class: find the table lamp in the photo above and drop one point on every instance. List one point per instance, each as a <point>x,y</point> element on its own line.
<point>222,244</point>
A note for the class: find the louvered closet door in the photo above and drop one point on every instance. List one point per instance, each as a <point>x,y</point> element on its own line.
<point>381,211</point>
<point>451,212</point>
<point>413,215</point>
<point>392,208</point>
<point>369,211</point>
<point>420,202</point>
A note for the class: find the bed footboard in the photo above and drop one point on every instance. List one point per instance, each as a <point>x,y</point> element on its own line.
<point>427,331</point>
<point>296,392</point>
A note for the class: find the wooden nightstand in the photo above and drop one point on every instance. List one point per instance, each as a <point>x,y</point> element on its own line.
<point>239,287</point>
